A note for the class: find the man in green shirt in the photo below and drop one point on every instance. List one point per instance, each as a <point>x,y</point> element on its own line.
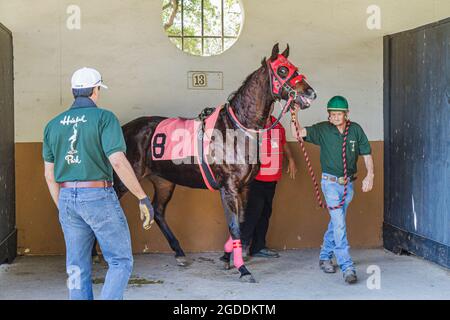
<point>329,135</point>
<point>81,148</point>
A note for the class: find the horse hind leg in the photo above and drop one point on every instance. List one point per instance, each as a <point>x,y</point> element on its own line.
<point>163,193</point>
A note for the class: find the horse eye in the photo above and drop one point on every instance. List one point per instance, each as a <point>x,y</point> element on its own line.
<point>283,72</point>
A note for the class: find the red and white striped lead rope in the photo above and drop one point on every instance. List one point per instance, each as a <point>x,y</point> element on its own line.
<point>310,169</point>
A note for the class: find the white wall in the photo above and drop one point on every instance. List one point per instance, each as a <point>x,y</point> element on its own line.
<point>147,75</point>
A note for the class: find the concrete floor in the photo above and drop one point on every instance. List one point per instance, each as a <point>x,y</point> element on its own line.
<point>293,276</point>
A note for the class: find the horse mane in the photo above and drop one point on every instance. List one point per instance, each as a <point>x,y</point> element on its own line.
<point>245,83</point>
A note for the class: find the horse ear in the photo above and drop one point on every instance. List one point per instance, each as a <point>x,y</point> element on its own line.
<point>286,52</point>
<point>275,52</point>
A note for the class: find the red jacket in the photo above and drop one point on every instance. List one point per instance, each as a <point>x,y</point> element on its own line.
<point>271,153</point>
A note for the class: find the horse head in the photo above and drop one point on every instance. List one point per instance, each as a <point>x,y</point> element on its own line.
<point>287,83</point>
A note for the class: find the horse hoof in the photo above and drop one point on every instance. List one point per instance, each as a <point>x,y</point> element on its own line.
<point>182,261</point>
<point>226,265</point>
<point>248,278</point>
<point>226,261</point>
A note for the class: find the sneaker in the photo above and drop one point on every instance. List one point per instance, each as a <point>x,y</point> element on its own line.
<point>350,276</point>
<point>266,253</point>
<point>327,266</point>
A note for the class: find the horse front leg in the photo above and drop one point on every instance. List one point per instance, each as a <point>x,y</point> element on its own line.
<point>227,251</point>
<point>233,203</point>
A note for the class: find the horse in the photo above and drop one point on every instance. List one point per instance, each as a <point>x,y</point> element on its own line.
<point>247,110</point>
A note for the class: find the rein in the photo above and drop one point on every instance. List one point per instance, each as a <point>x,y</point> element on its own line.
<point>310,169</point>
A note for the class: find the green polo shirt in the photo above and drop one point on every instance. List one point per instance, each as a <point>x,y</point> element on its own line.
<point>80,140</point>
<point>330,140</point>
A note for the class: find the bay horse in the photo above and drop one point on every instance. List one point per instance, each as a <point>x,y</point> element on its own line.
<point>250,105</point>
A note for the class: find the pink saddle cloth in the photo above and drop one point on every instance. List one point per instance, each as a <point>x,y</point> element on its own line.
<point>176,138</point>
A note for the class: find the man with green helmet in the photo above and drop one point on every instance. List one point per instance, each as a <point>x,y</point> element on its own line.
<point>329,135</point>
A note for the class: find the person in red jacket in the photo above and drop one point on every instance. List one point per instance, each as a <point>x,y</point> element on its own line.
<point>262,191</point>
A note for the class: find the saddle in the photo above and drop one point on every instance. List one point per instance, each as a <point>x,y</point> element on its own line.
<point>180,139</point>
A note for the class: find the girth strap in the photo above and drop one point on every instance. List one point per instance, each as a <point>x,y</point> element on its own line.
<point>205,169</point>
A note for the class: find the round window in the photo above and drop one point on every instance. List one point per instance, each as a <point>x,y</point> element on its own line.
<point>202,27</point>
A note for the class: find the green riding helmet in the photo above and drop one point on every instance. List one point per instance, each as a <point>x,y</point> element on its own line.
<point>337,103</point>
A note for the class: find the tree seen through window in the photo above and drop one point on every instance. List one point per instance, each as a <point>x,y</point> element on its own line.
<point>202,27</point>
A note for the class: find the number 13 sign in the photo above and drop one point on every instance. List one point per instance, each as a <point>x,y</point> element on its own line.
<point>199,80</point>
<point>205,80</point>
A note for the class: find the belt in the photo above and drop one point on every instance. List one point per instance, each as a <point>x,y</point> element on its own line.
<point>339,180</point>
<point>86,184</point>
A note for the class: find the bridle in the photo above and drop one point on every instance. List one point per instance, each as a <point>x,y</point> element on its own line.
<point>282,75</point>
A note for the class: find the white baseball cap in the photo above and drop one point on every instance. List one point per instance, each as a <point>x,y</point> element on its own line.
<point>87,78</point>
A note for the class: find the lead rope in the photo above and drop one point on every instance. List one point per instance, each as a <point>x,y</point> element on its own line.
<point>310,169</point>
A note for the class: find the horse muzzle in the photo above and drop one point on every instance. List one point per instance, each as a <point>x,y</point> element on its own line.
<point>303,102</point>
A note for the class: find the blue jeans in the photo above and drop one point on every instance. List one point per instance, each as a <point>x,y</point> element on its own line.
<point>335,238</point>
<point>83,214</point>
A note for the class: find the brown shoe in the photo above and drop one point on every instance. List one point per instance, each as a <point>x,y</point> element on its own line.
<point>327,266</point>
<point>96,259</point>
<point>266,253</point>
<point>245,253</point>
<point>350,276</point>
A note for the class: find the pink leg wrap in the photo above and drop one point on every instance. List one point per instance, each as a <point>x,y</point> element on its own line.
<point>237,254</point>
<point>228,248</point>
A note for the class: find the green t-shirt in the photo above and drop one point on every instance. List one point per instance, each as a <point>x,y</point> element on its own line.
<point>80,140</point>
<point>330,140</point>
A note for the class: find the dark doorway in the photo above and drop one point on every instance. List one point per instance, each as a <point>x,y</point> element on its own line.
<point>417,142</point>
<point>8,232</point>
